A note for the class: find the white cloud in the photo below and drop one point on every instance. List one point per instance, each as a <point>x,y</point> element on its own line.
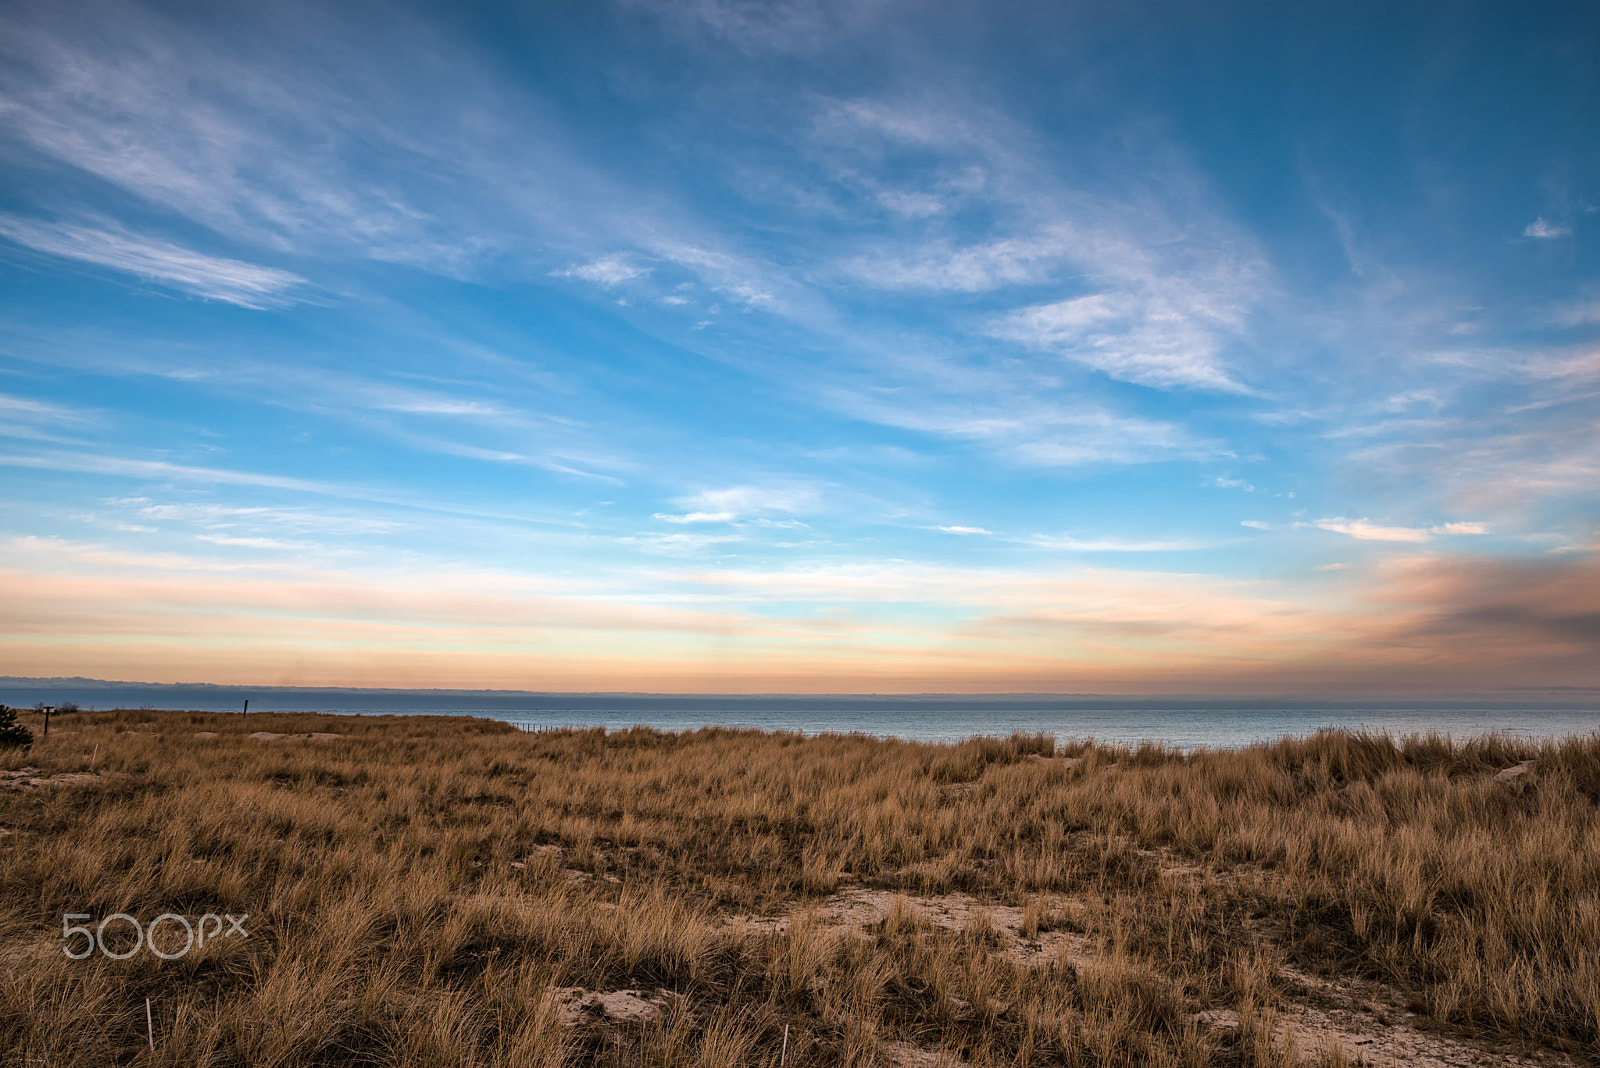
<point>974,269</point>
<point>1366,530</point>
<point>1333,567</point>
<point>965,530</point>
<point>267,152</point>
<point>744,504</point>
<point>698,517</point>
<point>13,407</point>
<point>1401,402</point>
<point>161,471</point>
<point>156,469</point>
<point>1171,280</point>
<point>215,278</point>
<point>1010,416</point>
<point>787,27</point>
<point>607,271</point>
<point>1541,229</point>
<point>748,281</point>
<point>231,517</point>
<point>34,420</point>
<point>678,543</point>
<point>740,501</point>
<point>1580,312</point>
<point>1112,545</point>
<point>253,543</point>
<point>421,404</point>
<point>1233,483</point>
<point>911,203</point>
<point>1255,524</point>
<point>1147,339</point>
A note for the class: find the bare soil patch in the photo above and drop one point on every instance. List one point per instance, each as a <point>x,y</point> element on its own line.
<point>32,778</point>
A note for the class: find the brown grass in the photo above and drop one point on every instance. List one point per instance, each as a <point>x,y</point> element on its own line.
<point>420,888</point>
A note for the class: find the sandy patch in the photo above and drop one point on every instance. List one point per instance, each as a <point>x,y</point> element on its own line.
<point>859,911</point>
<point>268,736</point>
<point>1513,772</point>
<point>1370,1035</point>
<point>906,1055</point>
<point>205,734</point>
<point>1367,1020</point>
<point>29,778</point>
<point>576,1005</point>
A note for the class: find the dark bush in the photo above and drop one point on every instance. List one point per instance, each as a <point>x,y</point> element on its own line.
<point>13,735</point>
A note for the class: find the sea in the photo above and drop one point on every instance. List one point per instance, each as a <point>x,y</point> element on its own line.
<point>1182,721</point>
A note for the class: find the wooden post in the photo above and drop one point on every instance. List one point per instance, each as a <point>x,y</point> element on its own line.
<point>246,711</point>
<point>47,710</point>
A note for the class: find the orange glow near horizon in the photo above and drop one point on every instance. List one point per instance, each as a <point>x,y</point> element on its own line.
<point>1414,623</point>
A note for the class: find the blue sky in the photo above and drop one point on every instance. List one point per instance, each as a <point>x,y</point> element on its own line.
<point>814,346</point>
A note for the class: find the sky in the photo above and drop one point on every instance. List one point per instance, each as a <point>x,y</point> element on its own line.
<point>869,346</point>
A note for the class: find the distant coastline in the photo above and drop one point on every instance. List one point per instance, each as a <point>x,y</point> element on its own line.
<point>1554,697</point>
<point>1183,721</point>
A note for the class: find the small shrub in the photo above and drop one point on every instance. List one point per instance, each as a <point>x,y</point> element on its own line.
<point>13,735</point>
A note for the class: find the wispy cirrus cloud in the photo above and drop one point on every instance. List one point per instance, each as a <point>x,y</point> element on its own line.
<point>943,268</point>
<point>159,469</point>
<point>255,518</point>
<point>789,27</point>
<point>164,471</point>
<point>1171,281</point>
<point>1009,412</point>
<point>35,420</point>
<point>248,285</point>
<point>891,259</point>
<point>1137,338</point>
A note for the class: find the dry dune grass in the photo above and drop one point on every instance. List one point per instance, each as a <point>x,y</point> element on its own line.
<point>438,891</point>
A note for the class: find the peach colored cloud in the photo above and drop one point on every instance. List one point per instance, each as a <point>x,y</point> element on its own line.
<point>1420,621</point>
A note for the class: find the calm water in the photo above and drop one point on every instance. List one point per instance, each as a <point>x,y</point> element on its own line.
<point>1183,722</point>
